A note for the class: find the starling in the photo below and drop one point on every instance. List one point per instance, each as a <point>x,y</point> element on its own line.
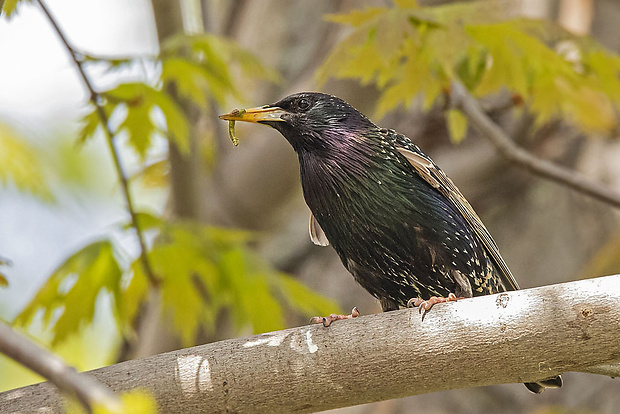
<point>399,224</point>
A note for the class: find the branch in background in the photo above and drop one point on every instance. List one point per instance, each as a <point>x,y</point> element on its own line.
<point>461,99</point>
<point>96,100</point>
<point>66,378</point>
<point>520,336</point>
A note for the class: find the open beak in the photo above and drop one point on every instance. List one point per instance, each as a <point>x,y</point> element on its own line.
<point>260,114</point>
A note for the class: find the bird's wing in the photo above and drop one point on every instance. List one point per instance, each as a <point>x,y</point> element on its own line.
<point>432,174</point>
<point>317,235</point>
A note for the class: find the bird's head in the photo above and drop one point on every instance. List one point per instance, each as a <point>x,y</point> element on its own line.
<point>310,121</point>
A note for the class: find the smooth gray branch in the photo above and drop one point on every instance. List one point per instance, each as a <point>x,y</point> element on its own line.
<point>49,366</point>
<point>520,336</point>
<point>461,99</point>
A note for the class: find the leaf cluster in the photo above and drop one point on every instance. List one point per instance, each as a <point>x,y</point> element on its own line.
<point>408,51</point>
<point>193,68</point>
<point>203,270</point>
<point>21,165</point>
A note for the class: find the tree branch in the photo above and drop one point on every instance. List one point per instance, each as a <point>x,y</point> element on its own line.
<point>49,366</point>
<point>96,99</point>
<point>461,99</point>
<point>520,336</point>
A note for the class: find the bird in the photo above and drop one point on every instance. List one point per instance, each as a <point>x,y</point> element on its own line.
<point>398,223</point>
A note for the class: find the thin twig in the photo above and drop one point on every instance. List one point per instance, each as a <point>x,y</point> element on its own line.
<point>95,99</point>
<point>461,99</point>
<point>89,391</point>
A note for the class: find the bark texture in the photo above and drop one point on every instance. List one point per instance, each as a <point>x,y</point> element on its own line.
<point>518,336</point>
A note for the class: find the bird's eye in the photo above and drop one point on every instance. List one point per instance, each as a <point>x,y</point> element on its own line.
<point>303,104</point>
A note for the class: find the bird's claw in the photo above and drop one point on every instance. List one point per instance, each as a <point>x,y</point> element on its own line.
<point>327,320</point>
<point>425,305</point>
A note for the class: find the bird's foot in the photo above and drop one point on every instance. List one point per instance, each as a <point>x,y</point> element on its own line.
<point>425,305</point>
<point>326,321</point>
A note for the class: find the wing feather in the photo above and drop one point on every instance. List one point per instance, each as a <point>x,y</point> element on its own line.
<point>432,174</point>
<point>317,235</point>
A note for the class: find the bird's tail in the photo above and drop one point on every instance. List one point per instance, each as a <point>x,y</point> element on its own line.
<point>538,387</point>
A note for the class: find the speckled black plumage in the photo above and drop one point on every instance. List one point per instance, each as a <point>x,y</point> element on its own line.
<point>398,223</point>
<point>398,235</point>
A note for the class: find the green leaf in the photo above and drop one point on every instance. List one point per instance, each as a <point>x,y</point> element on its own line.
<point>129,300</point>
<point>10,7</point>
<point>134,402</point>
<point>188,279</point>
<point>190,79</point>
<point>457,125</point>
<point>139,100</point>
<point>406,4</point>
<point>208,58</point>
<point>300,297</point>
<point>91,123</point>
<point>154,175</point>
<point>146,221</point>
<point>177,126</point>
<point>139,126</point>
<point>21,164</point>
<point>250,293</point>
<point>356,17</point>
<point>72,290</point>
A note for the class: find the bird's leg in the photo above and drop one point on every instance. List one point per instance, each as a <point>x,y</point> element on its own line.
<point>425,305</point>
<point>326,321</point>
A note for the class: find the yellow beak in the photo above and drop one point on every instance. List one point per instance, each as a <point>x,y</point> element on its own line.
<point>256,115</point>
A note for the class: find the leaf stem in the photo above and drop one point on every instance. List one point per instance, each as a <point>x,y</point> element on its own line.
<point>95,99</point>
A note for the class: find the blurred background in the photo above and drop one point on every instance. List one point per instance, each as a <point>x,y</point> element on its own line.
<point>60,194</point>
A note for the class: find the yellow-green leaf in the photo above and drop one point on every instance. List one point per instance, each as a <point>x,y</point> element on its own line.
<point>300,297</point>
<point>132,402</point>
<point>4,282</point>
<point>21,165</point>
<point>155,175</point>
<point>139,100</point>
<point>139,126</point>
<point>356,17</point>
<point>188,279</point>
<point>91,123</point>
<point>176,122</point>
<point>10,7</point>
<point>406,4</point>
<point>130,299</point>
<point>251,295</point>
<point>72,290</point>
<point>146,221</point>
<point>457,125</point>
<point>190,79</point>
